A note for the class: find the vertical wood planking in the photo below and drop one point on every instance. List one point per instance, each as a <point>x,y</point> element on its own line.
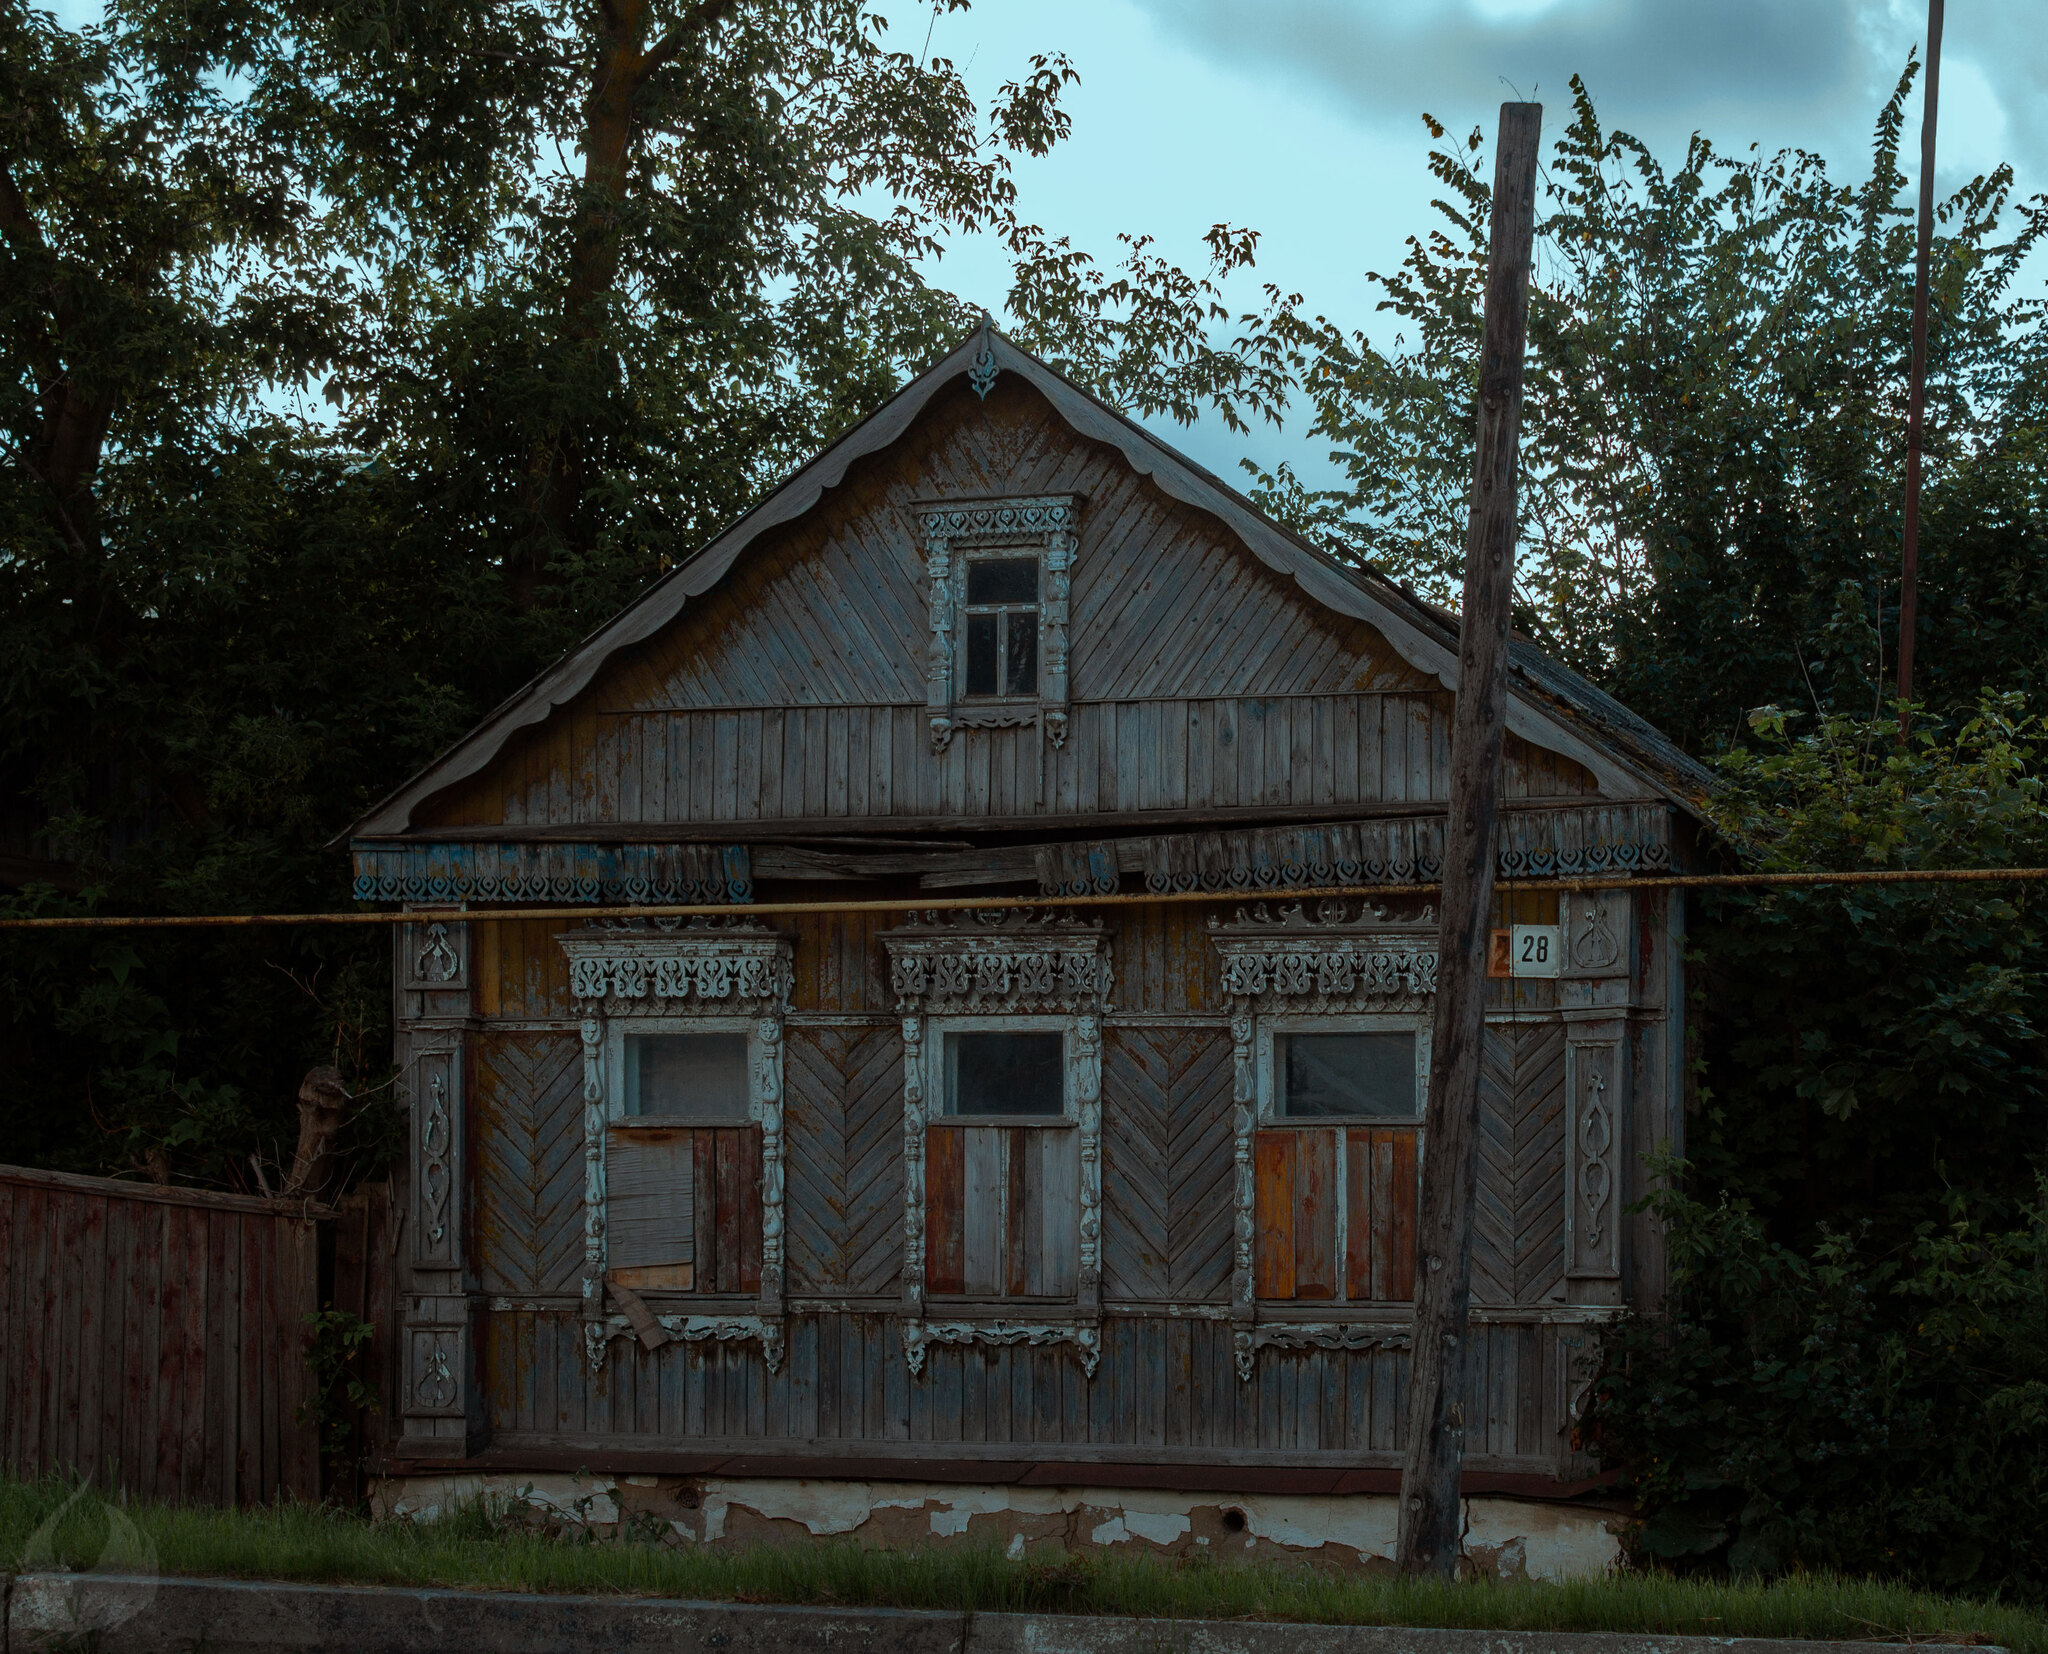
<point>1273,1206</point>
<point>984,1150</point>
<point>1315,1214</point>
<point>1059,1264</point>
<point>945,1183</point>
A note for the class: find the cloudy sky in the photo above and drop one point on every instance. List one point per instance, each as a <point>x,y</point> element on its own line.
<point>1302,118</point>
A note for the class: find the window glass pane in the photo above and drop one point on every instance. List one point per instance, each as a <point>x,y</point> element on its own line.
<point>1020,653</point>
<point>1323,1074</point>
<point>981,654</point>
<point>1005,1074</point>
<point>703,1076</point>
<point>1003,580</point>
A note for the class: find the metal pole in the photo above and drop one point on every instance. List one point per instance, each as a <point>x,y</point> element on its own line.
<point>1431,1531</point>
<point>1916,406</point>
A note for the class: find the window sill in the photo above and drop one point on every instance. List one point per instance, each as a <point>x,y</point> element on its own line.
<point>1044,1122</point>
<point>680,1122</point>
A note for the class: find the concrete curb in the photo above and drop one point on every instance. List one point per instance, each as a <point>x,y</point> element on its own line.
<point>136,1614</point>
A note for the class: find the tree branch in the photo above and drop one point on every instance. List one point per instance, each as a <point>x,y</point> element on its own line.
<point>703,17</point>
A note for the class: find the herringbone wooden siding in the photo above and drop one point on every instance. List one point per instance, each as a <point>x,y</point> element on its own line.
<point>1166,1219</point>
<point>529,1173</point>
<point>843,1189</point>
<point>1518,1233</point>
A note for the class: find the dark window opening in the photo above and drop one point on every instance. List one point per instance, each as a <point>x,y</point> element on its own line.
<point>1002,626</point>
<point>692,1076</point>
<point>1347,1074</point>
<point>1006,1074</point>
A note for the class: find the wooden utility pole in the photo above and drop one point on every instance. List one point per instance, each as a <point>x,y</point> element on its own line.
<point>1430,1525</point>
<point>1916,404</point>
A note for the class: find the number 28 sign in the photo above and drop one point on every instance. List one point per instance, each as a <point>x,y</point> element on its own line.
<point>1526,950</point>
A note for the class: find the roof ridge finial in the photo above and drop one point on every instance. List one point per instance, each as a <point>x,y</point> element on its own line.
<point>982,375</point>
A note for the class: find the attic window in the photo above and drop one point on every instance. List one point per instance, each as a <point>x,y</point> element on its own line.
<point>1002,626</point>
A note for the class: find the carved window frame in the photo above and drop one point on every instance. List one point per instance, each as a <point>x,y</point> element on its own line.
<point>953,531</point>
<point>1026,975</point>
<point>1340,966</point>
<point>715,979</point>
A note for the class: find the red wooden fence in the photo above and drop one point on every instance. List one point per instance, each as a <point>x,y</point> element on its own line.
<point>154,1338</point>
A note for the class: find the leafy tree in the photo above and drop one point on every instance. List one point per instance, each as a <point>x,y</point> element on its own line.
<point>573,285</point>
<point>1853,1373</point>
<point>1713,430</point>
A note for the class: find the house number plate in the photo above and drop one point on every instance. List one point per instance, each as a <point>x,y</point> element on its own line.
<point>1526,950</point>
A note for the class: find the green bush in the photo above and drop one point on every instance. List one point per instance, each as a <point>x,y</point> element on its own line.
<point>1852,1371</point>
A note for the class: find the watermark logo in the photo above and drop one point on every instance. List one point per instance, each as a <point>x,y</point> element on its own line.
<point>84,1571</point>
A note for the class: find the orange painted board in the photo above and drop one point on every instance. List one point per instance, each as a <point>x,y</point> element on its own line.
<point>1273,1213</point>
<point>1358,1214</point>
<point>945,1182</point>
<point>1401,1197</point>
<point>1315,1214</point>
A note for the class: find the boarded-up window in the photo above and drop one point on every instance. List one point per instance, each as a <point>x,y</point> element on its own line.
<point>1002,1210</point>
<point>683,1208</point>
<point>1335,1210</point>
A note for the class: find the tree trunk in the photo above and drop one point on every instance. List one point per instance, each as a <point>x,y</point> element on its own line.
<point>1430,1532</point>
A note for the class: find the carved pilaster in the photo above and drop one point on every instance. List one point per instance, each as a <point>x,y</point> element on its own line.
<point>440,1410</point>
<point>1597,1083</point>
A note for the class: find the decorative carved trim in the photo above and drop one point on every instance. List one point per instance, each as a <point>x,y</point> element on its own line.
<point>593,1189</point>
<point>913,1165</point>
<point>1581,1357</point>
<point>1596,1085</point>
<point>435,956</point>
<point>918,1335</point>
<point>1086,1068</point>
<point>995,717</point>
<point>768,1100</point>
<point>714,972</point>
<point>443,873</point>
<point>981,375</point>
<point>436,1216</point>
<point>1328,964</point>
<point>1244,1099</point>
<point>715,968</point>
<point>434,1384</point>
<point>1625,856</point>
<point>765,1330</point>
<point>1595,934</point>
<point>1312,1335</point>
<point>949,527</point>
<point>437,1181</point>
<point>1001,960</point>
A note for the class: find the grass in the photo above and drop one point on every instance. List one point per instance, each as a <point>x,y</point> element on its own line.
<point>474,1548</point>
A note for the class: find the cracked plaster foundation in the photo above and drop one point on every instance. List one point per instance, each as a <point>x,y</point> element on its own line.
<point>1505,1538</point>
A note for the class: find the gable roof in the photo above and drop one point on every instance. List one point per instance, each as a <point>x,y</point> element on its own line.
<point>1549,705</point>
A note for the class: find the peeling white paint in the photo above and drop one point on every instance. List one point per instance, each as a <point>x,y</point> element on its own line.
<point>1514,1539</point>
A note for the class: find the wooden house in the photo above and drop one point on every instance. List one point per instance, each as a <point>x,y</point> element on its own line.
<point>1007,1201</point>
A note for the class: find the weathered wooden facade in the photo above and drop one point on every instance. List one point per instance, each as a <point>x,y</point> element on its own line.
<point>1115,1194</point>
